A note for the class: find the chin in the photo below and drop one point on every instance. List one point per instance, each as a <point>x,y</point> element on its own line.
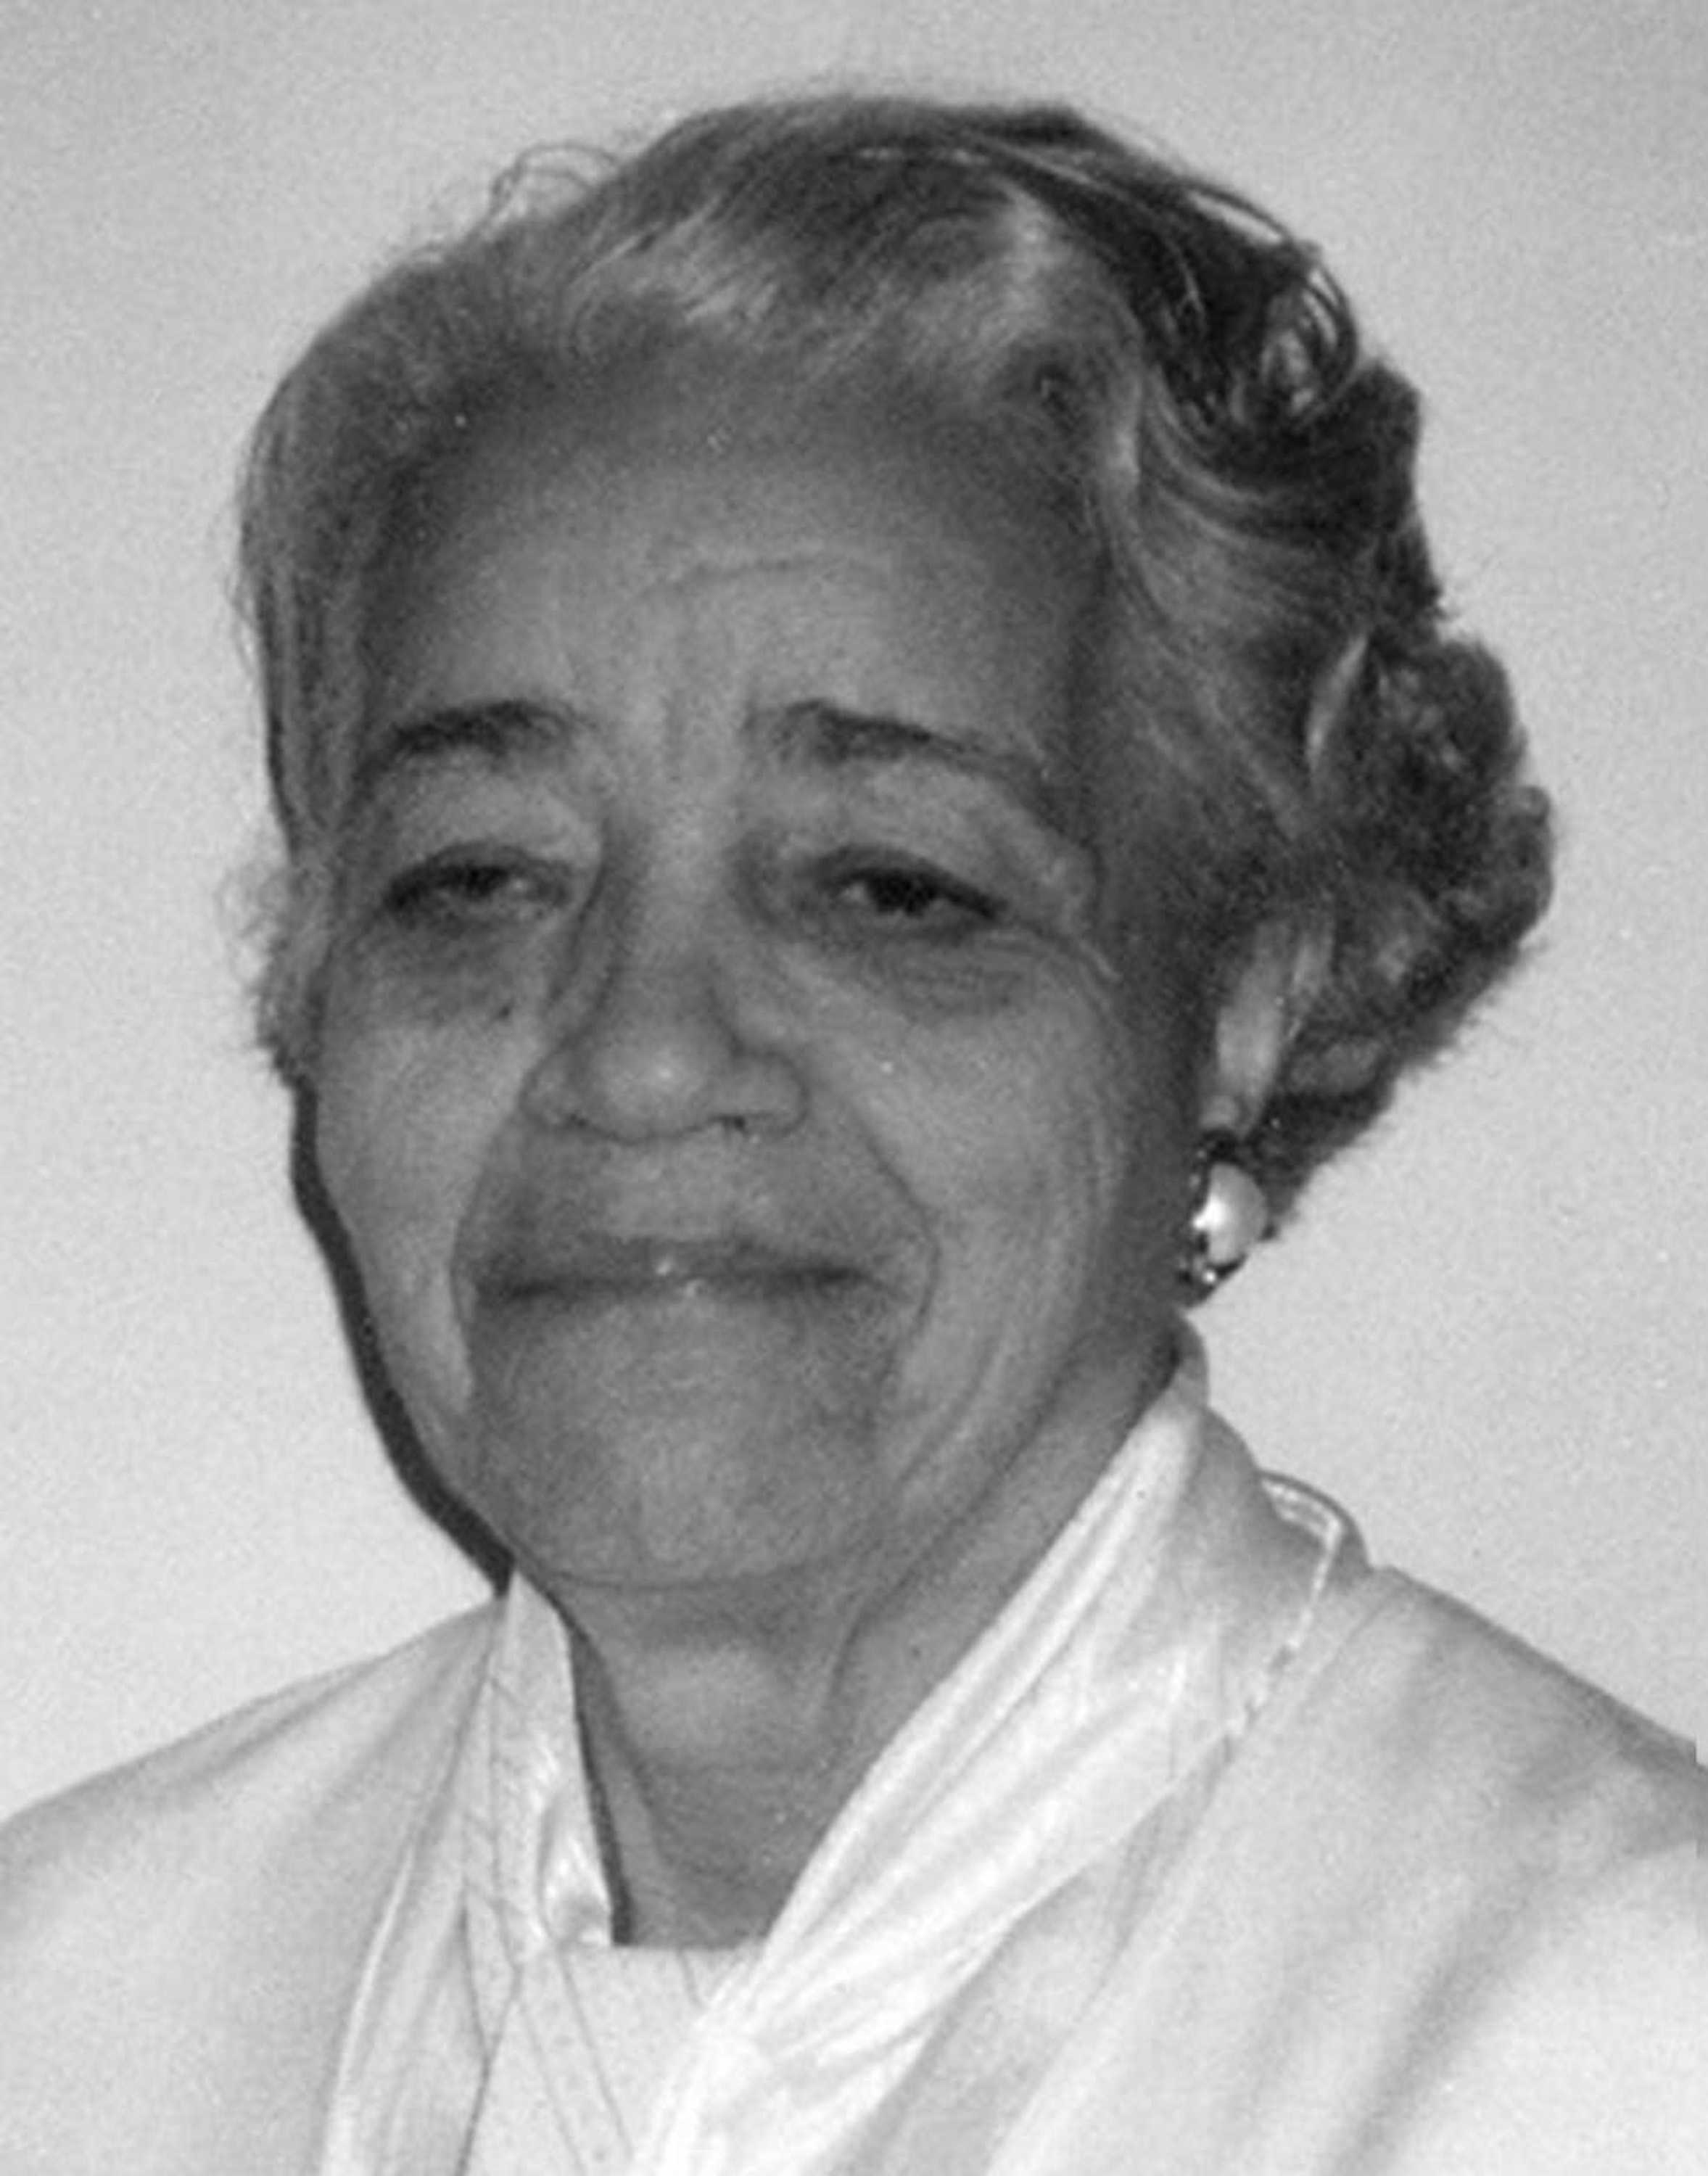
<point>650,1488</point>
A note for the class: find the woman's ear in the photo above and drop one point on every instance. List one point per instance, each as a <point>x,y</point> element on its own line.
<point>1261,1010</point>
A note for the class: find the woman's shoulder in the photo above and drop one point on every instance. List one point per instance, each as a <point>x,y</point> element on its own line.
<point>340,1739</point>
<point>180,1937</point>
<point>1535,1870</point>
<point>1447,1909</point>
<point>1459,1712</point>
<point>1469,1808</point>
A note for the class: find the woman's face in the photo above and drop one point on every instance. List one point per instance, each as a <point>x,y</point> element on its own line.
<point>755,1163</point>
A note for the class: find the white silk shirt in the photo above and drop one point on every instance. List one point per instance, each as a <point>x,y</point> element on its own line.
<point>1218,1854</point>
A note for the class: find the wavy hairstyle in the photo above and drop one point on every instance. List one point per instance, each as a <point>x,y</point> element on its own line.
<point>1317,743</point>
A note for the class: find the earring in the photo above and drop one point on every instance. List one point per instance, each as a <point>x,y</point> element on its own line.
<point>1230,1214</point>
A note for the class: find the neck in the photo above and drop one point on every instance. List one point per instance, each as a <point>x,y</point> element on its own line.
<point>715,1770</point>
<point>722,1735</point>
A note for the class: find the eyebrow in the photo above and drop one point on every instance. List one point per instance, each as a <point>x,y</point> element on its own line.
<point>499,732</point>
<point>828,735</point>
<point>808,735</point>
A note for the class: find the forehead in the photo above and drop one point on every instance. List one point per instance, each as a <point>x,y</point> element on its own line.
<point>891,470</point>
<point>822,538</point>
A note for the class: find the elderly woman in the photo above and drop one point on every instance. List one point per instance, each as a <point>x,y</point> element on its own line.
<point>872,777</point>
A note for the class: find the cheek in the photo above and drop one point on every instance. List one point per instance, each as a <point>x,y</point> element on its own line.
<point>1038,1138</point>
<point>404,1130</point>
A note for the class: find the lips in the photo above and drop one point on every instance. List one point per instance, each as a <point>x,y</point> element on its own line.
<point>594,1266</point>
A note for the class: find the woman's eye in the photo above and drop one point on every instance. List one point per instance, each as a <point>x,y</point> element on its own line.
<point>470,891</point>
<point>904,896</point>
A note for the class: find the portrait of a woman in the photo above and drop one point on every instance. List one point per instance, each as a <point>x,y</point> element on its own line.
<point>873,778</point>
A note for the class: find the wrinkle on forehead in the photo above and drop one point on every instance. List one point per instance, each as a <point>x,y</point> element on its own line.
<point>682,562</point>
<point>940,529</point>
<point>919,519</point>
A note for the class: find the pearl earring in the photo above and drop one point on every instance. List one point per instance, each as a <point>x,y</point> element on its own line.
<point>1230,1214</point>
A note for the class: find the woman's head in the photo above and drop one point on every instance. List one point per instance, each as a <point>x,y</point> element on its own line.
<point>1269,659</point>
<point>835,693</point>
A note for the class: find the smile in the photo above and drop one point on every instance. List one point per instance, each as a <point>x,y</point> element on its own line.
<point>666,1268</point>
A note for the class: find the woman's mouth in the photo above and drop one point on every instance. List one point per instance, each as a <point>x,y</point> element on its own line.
<point>591,1269</point>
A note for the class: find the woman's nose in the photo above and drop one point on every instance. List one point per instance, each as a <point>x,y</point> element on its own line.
<point>658,1038</point>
